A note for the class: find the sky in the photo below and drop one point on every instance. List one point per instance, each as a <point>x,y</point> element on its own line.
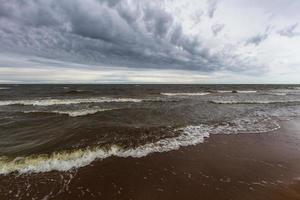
<point>150,41</point>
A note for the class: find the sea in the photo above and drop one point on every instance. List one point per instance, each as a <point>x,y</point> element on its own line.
<point>52,127</point>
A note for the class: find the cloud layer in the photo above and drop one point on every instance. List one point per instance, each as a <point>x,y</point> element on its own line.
<point>205,37</point>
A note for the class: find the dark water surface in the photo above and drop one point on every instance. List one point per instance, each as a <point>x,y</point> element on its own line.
<point>61,127</point>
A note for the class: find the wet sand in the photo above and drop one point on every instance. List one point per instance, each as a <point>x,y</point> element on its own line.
<point>237,167</point>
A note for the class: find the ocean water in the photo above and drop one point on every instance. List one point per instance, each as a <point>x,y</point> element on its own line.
<point>61,127</point>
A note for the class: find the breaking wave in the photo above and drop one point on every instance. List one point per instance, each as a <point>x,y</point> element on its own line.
<point>189,135</point>
<point>224,91</point>
<point>279,94</point>
<point>246,91</point>
<point>186,94</point>
<point>73,113</point>
<point>284,92</point>
<point>49,102</point>
<point>253,101</point>
<point>237,91</point>
<point>63,161</point>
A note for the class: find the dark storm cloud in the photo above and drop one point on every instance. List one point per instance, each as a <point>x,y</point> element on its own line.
<point>138,34</point>
<point>108,32</point>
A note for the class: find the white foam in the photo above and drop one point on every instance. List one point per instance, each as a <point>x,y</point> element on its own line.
<point>238,91</point>
<point>81,112</point>
<point>64,161</point>
<point>252,101</point>
<point>224,91</point>
<point>73,113</point>
<point>49,102</point>
<point>186,94</point>
<point>254,124</point>
<point>286,91</point>
<point>4,88</point>
<point>279,94</point>
<point>285,113</point>
<point>246,91</point>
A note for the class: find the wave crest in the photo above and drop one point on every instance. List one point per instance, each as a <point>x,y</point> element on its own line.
<point>63,161</point>
<point>49,102</point>
<point>73,113</point>
<point>252,101</point>
<point>186,94</point>
<point>189,135</point>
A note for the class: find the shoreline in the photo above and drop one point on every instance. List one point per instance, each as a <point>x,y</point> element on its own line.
<point>238,166</point>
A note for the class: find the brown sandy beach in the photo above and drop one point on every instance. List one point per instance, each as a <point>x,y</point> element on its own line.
<point>237,167</point>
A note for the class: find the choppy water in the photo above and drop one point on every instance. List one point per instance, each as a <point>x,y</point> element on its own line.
<point>59,127</point>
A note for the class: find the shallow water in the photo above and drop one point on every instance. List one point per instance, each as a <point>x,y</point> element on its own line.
<point>60,127</point>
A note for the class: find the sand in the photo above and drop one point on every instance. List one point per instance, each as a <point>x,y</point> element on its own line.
<point>237,167</point>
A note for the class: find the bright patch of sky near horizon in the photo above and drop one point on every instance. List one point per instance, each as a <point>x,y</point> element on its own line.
<point>169,41</point>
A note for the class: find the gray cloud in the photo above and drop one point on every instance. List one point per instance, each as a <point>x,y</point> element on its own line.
<point>289,31</point>
<point>115,33</point>
<point>212,7</point>
<point>96,37</point>
<point>257,39</point>
<point>217,28</point>
<point>122,33</point>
